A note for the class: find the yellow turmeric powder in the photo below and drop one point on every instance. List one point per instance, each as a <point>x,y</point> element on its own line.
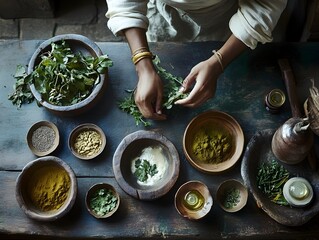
<point>49,188</point>
<point>212,146</point>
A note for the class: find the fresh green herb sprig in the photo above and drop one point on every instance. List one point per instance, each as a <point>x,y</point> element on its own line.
<point>171,94</point>
<point>232,198</point>
<point>62,77</point>
<point>129,106</point>
<point>271,178</point>
<point>144,169</point>
<point>22,93</point>
<point>103,201</point>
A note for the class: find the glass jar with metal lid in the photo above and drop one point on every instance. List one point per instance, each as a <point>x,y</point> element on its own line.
<point>274,100</point>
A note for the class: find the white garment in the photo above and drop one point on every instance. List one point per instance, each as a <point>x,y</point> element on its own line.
<point>251,21</point>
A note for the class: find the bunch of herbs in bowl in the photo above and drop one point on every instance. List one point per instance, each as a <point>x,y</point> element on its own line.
<point>102,200</point>
<point>66,75</point>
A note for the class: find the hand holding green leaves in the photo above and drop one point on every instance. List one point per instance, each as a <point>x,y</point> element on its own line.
<point>171,93</point>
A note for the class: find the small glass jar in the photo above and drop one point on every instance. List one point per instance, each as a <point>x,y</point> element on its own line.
<point>274,100</point>
<point>298,192</point>
<point>194,200</point>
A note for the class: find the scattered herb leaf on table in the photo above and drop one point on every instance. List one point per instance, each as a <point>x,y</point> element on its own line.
<point>22,93</point>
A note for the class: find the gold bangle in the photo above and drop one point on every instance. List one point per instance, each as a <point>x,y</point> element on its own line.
<point>139,56</point>
<point>139,50</point>
<point>219,58</point>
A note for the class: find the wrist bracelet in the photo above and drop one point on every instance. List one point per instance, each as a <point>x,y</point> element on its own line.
<point>139,50</point>
<point>219,57</point>
<point>139,56</point>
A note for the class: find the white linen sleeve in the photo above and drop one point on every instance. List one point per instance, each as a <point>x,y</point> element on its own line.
<point>255,20</point>
<point>124,14</point>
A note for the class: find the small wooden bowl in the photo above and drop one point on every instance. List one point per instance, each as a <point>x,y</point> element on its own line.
<point>77,43</point>
<point>92,191</point>
<point>25,184</point>
<point>39,132</point>
<point>189,188</point>
<point>132,147</point>
<point>214,120</point>
<point>227,191</point>
<point>81,129</point>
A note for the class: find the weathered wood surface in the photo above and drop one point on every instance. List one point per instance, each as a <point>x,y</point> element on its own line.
<point>241,90</point>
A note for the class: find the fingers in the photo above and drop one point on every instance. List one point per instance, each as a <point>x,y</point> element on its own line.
<point>188,81</point>
<point>203,90</point>
<point>148,111</point>
<point>196,97</point>
<point>158,103</point>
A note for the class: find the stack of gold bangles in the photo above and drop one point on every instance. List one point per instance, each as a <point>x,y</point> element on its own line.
<point>141,53</point>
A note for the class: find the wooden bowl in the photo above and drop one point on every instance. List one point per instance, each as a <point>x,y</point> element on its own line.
<point>232,195</point>
<point>155,148</point>
<point>46,170</point>
<point>193,200</point>
<point>77,43</point>
<point>43,138</point>
<point>218,122</point>
<point>93,193</point>
<point>87,149</point>
<point>258,152</point>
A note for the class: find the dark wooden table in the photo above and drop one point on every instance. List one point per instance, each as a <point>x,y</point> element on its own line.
<point>241,91</point>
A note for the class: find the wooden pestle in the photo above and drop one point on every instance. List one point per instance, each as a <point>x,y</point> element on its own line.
<point>290,84</point>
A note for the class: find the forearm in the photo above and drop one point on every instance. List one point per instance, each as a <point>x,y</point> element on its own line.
<point>149,91</point>
<point>136,39</point>
<point>232,48</point>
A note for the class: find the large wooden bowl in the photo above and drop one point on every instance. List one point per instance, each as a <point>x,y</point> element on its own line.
<point>77,43</point>
<point>25,183</point>
<point>259,151</point>
<point>130,148</point>
<point>219,121</point>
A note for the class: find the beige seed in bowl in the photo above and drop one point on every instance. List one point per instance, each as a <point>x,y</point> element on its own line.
<point>87,141</point>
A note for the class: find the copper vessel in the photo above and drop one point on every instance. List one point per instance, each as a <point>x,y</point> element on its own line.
<point>292,141</point>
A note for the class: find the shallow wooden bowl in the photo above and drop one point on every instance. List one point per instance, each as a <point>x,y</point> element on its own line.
<point>78,130</point>
<point>92,191</point>
<point>77,43</point>
<point>43,138</point>
<point>228,187</point>
<point>23,186</point>
<point>258,151</point>
<point>186,212</point>
<point>215,120</point>
<point>130,148</point>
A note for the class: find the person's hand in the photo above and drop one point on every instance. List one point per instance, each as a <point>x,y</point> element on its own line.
<point>149,91</point>
<point>204,78</point>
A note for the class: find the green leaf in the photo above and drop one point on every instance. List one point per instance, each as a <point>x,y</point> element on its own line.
<point>144,169</point>
<point>22,93</point>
